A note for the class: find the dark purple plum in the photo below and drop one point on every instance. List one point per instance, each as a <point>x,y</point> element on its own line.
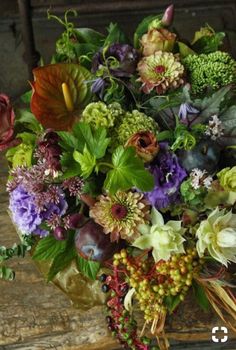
<point>92,243</point>
<point>205,156</point>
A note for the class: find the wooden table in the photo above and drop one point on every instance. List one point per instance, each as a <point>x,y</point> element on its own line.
<point>35,315</point>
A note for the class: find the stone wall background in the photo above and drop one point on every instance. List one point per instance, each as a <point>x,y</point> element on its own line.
<point>190,15</point>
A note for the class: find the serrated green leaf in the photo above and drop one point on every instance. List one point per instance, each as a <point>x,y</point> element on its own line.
<point>211,105</point>
<point>70,166</point>
<point>128,172</point>
<point>48,248</point>
<point>88,268</point>
<point>200,296</point>
<point>27,138</point>
<point>96,140</point>
<point>115,35</point>
<point>86,160</point>
<point>68,141</point>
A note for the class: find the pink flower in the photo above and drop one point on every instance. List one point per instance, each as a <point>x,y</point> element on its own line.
<point>7,117</point>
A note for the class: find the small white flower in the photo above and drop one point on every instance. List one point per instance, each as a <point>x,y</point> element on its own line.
<point>214,128</point>
<point>199,178</point>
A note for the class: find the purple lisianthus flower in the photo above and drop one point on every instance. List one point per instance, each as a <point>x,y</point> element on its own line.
<point>168,176</point>
<point>126,56</point>
<point>28,216</point>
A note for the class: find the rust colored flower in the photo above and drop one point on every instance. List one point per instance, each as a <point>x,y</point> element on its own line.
<point>7,117</point>
<point>157,39</point>
<point>145,144</point>
<point>60,92</point>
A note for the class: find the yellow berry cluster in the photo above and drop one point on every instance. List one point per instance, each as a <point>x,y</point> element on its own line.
<point>154,282</point>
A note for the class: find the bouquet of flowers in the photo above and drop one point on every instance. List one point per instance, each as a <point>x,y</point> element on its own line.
<point>123,161</point>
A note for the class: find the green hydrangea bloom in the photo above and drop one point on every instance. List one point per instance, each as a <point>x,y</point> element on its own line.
<point>133,122</point>
<point>99,114</point>
<point>213,70</point>
<point>227,177</point>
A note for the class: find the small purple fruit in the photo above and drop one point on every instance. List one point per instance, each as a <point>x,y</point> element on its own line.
<point>60,233</point>
<point>92,243</point>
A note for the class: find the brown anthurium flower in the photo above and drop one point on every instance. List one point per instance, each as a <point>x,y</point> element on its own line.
<point>145,144</point>
<point>60,92</point>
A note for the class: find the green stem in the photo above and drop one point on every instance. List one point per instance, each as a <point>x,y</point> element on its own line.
<point>105,164</point>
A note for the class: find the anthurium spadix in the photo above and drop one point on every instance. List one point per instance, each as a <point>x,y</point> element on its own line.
<point>60,92</point>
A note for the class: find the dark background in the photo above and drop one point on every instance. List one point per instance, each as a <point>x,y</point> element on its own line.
<point>190,15</point>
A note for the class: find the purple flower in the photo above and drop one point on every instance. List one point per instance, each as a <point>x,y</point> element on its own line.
<point>185,111</point>
<point>168,176</point>
<point>26,213</point>
<point>98,87</point>
<point>126,56</point>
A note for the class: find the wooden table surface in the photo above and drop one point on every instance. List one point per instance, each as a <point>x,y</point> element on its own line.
<point>35,315</point>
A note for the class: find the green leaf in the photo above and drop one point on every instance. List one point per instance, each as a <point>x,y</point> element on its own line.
<point>89,36</point>
<point>27,138</point>
<point>211,105</point>
<point>68,141</point>
<point>26,117</point>
<point>185,50</point>
<point>143,28</point>
<point>115,35</point>
<point>200,296</point>
<point>48,248</point>
<point>86,160</point>
<point>61,261</point>
<point>88,268</point>
<point>228,119</point>
<point>6,273</point>
<point>96,140</point>
<point>172,302</point>
<point>26,97</point>
<point>128,172</point>
<point>207,44</point>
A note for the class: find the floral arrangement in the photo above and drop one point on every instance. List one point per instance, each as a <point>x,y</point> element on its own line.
<point>123,159</point>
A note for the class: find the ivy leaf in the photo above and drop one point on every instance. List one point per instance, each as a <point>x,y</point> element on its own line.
<point>96,140</point>
<point>86,160</point>
<point>48,248</point>
<point>172,302</point>
<point>128,172</point>
<point>211,105</point>
<point>6,273</point>
<point>200,296</point>
<point>88,268</point>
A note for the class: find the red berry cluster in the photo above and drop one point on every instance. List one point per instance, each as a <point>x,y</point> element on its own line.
<point>120,322</point>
